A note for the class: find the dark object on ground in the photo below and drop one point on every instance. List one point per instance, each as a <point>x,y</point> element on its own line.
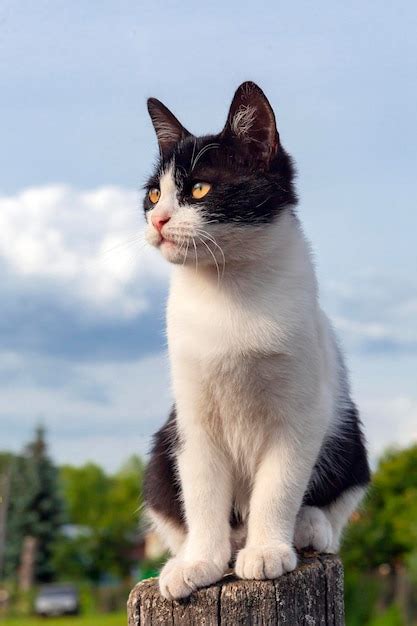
<point>312,594</point>
<point>57,600</point>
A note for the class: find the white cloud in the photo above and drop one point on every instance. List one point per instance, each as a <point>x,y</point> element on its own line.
<point>87,245</point>
<point>391,421</point>
<point>373,330</point>
<point>373,311</point>
<point>101,412</point>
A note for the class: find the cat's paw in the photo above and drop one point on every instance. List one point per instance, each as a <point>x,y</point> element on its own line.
<point>269,561</point>
<point>178,578</point>
<point>313,529</point>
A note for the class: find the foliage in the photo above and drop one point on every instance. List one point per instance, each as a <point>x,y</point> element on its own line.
<point>6,459</point>
<point>35,508</point>
<point>385,532</point>
<point>379,551</point>
<point>390,617</point>
<point>361,593</point>
<point>103,511</point>
<point>150,568</point>
<point>113,619</point>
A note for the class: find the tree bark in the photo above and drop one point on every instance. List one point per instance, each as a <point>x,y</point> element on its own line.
<point>312,595</point>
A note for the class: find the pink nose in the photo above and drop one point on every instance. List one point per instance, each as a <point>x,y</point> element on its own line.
<point>158,221</point>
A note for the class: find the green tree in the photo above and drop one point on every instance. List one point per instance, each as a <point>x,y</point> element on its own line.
<point>6,459</point>
<point>104,512</point>
<point>385,530</point>
<point>35,508</point>
<point>380,547</point>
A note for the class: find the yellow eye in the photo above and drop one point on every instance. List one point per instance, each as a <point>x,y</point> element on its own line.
<point>200,190</point>
<point>154,194</point>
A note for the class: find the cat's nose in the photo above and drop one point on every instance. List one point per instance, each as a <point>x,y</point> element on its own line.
<point>159,221</point>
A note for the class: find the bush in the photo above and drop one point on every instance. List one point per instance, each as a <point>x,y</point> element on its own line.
<point>390,617</point>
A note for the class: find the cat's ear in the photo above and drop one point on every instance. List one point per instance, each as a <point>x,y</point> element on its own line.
<point>169,130</point>
<point>251,120</point>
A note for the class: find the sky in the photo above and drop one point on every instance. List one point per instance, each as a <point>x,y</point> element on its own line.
<point>82,344</point>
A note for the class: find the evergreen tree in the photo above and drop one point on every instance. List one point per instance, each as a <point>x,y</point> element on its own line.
<point>35,508</point>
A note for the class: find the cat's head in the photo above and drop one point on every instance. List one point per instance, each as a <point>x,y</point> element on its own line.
<point>211,198</point>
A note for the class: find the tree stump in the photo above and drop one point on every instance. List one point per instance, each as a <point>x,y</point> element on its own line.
<point>312,595</point>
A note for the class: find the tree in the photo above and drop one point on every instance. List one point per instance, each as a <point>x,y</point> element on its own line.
<point>103,511</point>
<point>379,551</point>
<point>5,476</point>
<point>35,508</point>
<point>385,530</point>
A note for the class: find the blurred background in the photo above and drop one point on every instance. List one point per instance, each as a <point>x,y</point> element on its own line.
<point>83,367</point>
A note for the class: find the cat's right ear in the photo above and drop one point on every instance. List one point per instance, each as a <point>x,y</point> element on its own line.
<point>169,130</point>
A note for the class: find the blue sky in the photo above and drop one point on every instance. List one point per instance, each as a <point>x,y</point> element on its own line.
<point>81,330</point>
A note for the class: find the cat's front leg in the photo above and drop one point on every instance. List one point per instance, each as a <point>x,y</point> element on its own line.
<point>279,486</point>
<point>206,487</point>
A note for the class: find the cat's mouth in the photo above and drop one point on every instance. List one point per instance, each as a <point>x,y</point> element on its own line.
<point>174,239</point>
<point>184,246</point>
<point>165,241</point>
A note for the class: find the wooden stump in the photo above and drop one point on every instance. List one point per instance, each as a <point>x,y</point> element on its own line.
<point>312,595</point>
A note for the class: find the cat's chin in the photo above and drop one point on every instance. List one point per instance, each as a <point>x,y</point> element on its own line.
<point>171,252</point>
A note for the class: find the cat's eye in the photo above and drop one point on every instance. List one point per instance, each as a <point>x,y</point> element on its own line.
<point>199,190</point>
<point>154,194</point>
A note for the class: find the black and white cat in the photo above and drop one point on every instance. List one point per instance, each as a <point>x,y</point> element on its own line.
<point>263,450</point>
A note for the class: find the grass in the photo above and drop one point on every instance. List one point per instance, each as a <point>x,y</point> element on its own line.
<point>97,619</point>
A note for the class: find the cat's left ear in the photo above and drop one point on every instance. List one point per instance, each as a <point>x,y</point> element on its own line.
<point>169,130</point>
<point>251,120</point>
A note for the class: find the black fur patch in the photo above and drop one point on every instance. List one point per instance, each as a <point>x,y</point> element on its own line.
<point>342,462</point>
<point>241,191</point>
<point>161,487</point>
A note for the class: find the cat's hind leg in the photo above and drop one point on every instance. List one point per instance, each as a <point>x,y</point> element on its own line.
<point>339,512</point>
<point>337,485</point>
<point>322,528</point>
<point>313,530</point>
<point>171,535</point>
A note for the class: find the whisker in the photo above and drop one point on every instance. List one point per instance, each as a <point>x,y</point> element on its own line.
<point>263,202</point>
<point>203,150</point>
<point>129,241</point>
<point>204,233</point>
<point>196,255</point>
<point>129,247</point>
<point>186,252</point>
<point>192,156</point>
<point>214,258</point>
<point>182,243</point>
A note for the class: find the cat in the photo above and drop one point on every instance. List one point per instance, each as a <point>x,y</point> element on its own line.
<point>263,451</point>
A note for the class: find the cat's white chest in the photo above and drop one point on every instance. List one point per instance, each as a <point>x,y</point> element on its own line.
<point>224,362</point>
<point>206,325</point>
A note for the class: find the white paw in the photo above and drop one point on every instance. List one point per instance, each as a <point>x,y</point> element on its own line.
<point>313,529</point>
<point>179,578</point>
<point>268,561</point>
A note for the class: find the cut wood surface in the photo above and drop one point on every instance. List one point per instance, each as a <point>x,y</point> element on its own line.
<point>311,595</point>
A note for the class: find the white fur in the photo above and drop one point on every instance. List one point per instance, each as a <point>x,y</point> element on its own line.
<point>313,529</point>
<point>339,512</point>
<point>243,120</point>
<point>269,561</point>
<point>254,375</point>
<point>179,578</point>
<point>172,536</point>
